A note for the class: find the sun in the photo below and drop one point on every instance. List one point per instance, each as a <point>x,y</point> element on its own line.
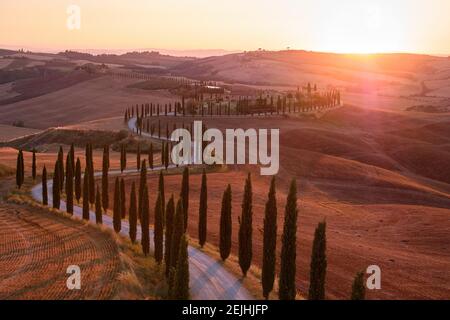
<point>361,28</point>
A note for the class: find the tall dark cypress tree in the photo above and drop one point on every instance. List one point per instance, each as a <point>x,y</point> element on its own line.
<point>132,215</point>
<point>145,224</point>
<point>78,180</point>
<point>318,267</point>
<point>138,156</point>
<point>55,186</point>
<point>86,203</point>
<point>185,195</point>
<point>98,207</point>
<point>161,191</point>
<point>33,165</point>
<point>225,224</point>
<point>286,287</point>
<point>19,169</point>
<point>163,152</point>
<point>270,241</point>
<point>246,229</point>
<point>123,158</point>
<point>177,232</point>
<point>105,180</point>
<point>180,290</point>
<point>69,184</point>
<point>170,215</point>
<point>123,208</point>
<point>44,187</point>
<point>203,208</point>
<point>159,229</point>
<point>150,156</point>
<point>117,216</point>
<point>72,156</point>
<point>166,155</point>
<point>142,186</point>
<point>358,288</point>
<point>91,177</point>
<point>61,169</point>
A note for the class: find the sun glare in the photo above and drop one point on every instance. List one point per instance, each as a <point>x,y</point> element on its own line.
<point>361,28</point>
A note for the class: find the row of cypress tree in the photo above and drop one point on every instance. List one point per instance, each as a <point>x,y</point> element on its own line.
<point>166,216</point>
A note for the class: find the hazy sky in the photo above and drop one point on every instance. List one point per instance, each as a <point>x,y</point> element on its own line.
<point>320,25</point>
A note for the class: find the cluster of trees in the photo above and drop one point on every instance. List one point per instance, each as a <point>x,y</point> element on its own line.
<point>155,129</point>
<point>305,100</point>
<point>139,155</point>
<point>171,221</point>
<point>170,242</point>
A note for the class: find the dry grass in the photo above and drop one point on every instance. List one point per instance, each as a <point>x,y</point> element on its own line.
<point>140,277</point>
<point>10,132</point>
<point>5,171</point>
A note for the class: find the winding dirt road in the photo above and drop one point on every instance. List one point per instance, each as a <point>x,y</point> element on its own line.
<point>209,280</point>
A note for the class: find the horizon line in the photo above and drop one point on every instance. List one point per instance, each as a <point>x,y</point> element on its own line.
<point>164,51</point>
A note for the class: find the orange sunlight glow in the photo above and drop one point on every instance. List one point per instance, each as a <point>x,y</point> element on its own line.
<point>346,26</point>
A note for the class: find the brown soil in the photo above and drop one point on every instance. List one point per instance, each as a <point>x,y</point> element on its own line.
<point>38,246</point>
<point>409,242</point>
<point>379,179</point>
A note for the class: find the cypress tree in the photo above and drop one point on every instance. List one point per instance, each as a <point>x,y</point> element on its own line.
<point>142,186</point>
<point>72,156</point>
<point>138,157</point>
<point>159,229</point>
<point>116,211</point>
<point>86,194</point>
<point>61,169</point>
<point>145,232</point>
<point>270,241</point>
<point>123,158</point>
<point>358,288</point>
<point>161,191</point>
<point>287,290</point>
<point>166,155</point>
<point>98,207</point>
<point>245,228</point>
<point>44,187</point>
<point>185,195</point>
<point>177,232</point>
<point>55,189</point>
<point>105,187</point>
<point>132,216</point>
<point>33,165</point>
<point>180,290</point>
<point>318,267</point>
<point>78,180</point>
<point>123,208</point>
<point>19,170</point>
<point>150,156</point>
<point>69,184</point>
<point>170,212</point>
<point>225,224</point>
<point>203,208</point>
<point>91,177</point>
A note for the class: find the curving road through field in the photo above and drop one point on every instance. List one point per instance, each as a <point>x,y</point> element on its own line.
<point>209,280</point>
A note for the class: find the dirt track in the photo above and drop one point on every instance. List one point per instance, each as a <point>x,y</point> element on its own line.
<point>36,249</point>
